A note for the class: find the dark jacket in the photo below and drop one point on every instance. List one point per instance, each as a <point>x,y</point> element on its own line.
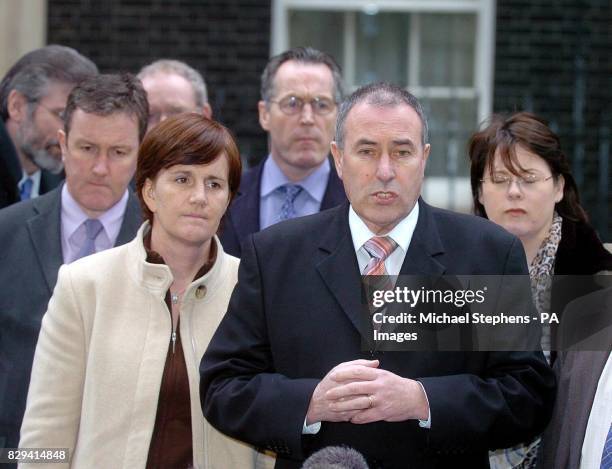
<point>242,217</point>
<point>294,315</point>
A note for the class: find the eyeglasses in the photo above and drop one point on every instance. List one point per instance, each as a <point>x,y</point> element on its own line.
<point>59,113</point>
<point>292,105</point>
<point>501,181</point>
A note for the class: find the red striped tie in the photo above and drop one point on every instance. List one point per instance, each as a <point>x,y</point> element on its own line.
<point>379,248</point>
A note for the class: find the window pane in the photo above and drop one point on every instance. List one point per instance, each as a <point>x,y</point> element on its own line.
<point>322,30</point>
<point>381,48</point>
<point>447,50</point>
<point>451,122</point>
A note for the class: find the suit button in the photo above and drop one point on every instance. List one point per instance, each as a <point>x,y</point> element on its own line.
<point>200,292</point>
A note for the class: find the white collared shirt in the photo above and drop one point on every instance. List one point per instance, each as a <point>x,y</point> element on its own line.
<point>401,234</point>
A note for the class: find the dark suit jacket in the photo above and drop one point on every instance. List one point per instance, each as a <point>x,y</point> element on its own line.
<point>578,371</point>
<point>30,256</point>
<point>10,172</point>
<point>242,217</point>
<point>294,316</point>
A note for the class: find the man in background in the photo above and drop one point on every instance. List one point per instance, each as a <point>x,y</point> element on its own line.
<point>173,87</point>
<point>300,92</point>
<point>104,122</point>
<point>32,98</point>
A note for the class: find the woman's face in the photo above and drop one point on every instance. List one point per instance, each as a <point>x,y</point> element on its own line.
<point>188,201</point>
<point>523,208</point>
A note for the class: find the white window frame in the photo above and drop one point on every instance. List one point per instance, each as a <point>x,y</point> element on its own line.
<point>438,190</point>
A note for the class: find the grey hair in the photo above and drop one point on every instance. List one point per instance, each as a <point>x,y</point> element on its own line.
<point>305,55</point>
<point>195,78</point>
<point>380,95</point>
<point>32,73</point>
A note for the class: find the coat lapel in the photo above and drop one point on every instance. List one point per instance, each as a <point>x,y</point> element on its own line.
<point>245,208</point>
<point>44,229</point>
<point>334,192</point>
<point>338,267</point>
<point>425,252</point>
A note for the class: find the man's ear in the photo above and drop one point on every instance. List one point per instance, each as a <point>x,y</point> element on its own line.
<point>207,111</point>
<point>62,139</point>
<point>337,154</point>
<point>264,115</point>
<point>17,106</point>
<point>426,151</point>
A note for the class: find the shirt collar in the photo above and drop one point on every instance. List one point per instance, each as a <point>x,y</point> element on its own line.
<point>314,184</point>
<point>73,215</point>
<point>401,234</point>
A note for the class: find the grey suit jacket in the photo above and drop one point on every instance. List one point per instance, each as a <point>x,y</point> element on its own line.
<point>578,372</point>
<point>30,256</point>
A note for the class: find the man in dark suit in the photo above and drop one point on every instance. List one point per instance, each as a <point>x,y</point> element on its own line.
<point>580,427</point>
<point>286,369</point>
<point>300,91</point>
<point>32,98</point>
<point>105,121</point>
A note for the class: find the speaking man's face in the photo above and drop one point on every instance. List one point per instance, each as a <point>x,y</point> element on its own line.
<point>100,158</point>
<point>382,164</point>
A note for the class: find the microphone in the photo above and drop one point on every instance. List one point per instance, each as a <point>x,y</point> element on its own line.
<point>336,457</point>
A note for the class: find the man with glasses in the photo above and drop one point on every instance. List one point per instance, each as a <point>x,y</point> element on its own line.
<point>32,98</point>
<point>300,92</point>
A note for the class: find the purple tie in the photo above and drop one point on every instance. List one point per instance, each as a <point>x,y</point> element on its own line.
<point>291,192</point>
<point>93,226</point>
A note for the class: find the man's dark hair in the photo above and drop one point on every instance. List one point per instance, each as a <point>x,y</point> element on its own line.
<point>108,94</point>
<point>380,95</point>
<point>32,73</point>
<point>304,55</point>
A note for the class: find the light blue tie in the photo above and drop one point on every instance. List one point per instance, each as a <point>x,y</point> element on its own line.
<point>25,191</point>
<point>606,455</point>
<point>291,192</point>
<point>92,230</point>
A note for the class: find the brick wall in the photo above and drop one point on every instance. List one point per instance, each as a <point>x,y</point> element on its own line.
<point>226,40</point>
<point>554,58</point>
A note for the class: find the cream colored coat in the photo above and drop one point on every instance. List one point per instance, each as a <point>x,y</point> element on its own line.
<point>100,358</point>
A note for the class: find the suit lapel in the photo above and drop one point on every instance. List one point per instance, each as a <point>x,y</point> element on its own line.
<point>425,252</point>
<point>338,267</point>
<point>340,271</point>
<point>44,229</point>
<point>245,208</point>
<point>586,371</point>
<point>334,192</point>
<point>131,221</point>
